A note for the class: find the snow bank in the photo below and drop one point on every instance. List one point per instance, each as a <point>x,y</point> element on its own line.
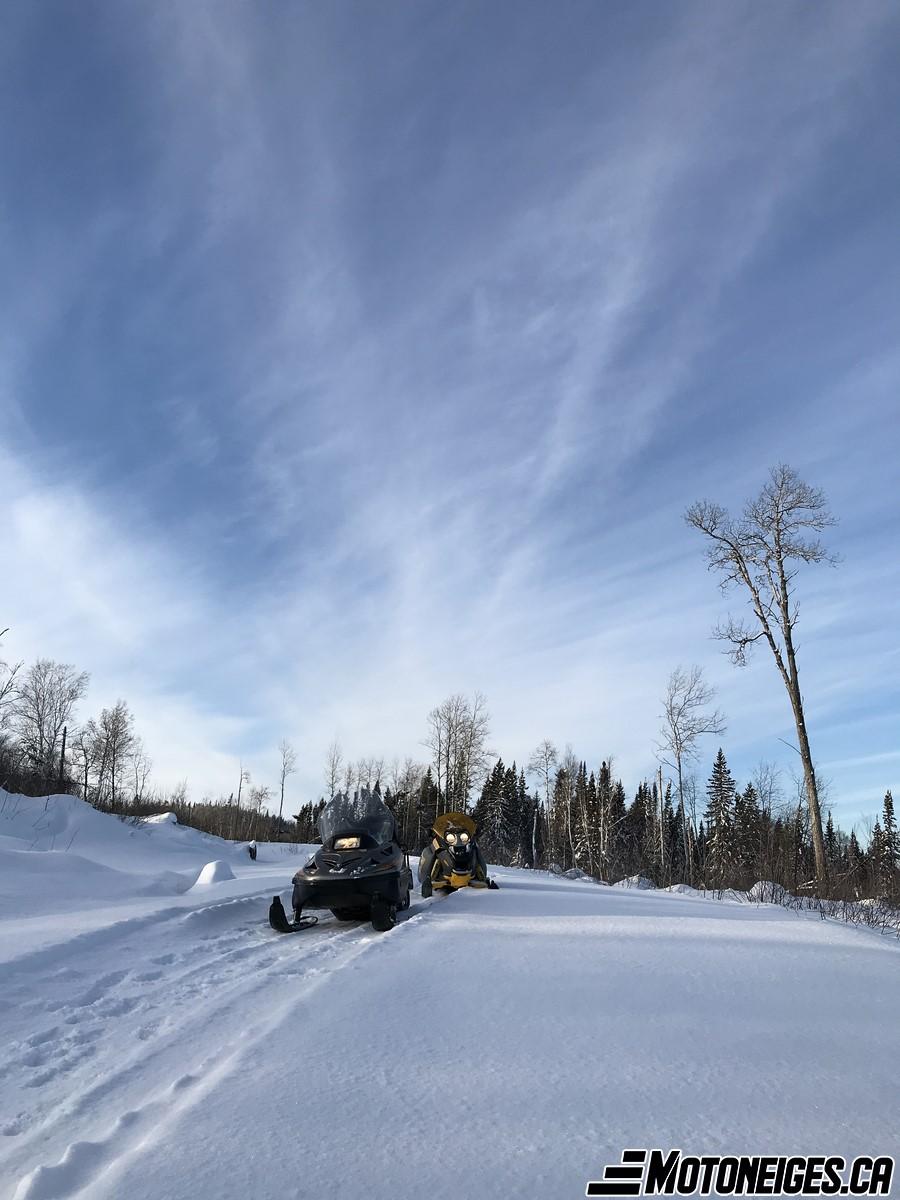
<point>150,846</point>
<point>636,881</point>
<point>214,872</point>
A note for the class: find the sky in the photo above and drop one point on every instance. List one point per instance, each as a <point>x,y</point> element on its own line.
<point>355,355</point>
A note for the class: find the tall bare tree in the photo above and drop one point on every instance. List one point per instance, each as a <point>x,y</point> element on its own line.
<point>686,717</point>
<point>541,765</point>
<point>761,551</point>
<point>111,738</point>
<point>8,686</point>
<point>288,765</point>
<point>141,766</point>
<point>334,761</point>
<point>47,695</point>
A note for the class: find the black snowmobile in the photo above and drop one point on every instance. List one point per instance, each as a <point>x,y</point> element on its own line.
<point>452,858</point>
<point>360,871</point>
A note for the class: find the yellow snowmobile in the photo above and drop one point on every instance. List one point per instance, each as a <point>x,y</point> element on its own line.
<point>452,859</point>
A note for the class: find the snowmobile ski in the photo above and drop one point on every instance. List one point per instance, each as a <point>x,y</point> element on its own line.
<point>279,922</point>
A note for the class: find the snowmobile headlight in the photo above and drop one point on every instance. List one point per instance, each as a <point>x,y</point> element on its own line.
<point>347,843</point>
<point>451,839</point>
<point>464,837</point>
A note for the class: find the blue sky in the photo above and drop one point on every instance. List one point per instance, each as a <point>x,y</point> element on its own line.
<point>353,355</point>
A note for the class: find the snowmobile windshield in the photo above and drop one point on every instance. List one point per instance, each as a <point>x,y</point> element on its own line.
<point>363,814</point>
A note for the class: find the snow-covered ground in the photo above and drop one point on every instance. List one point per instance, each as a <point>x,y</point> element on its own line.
<point>161,1042</point>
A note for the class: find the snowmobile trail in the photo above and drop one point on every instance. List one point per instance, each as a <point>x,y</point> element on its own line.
<point>517,1040</point>
<point>196,990</point>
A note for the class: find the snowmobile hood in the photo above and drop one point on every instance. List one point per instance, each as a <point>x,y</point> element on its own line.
<point>454,820</point>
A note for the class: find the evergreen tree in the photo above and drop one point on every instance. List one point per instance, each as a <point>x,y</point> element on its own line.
<point>720,822</point>
<point>747,819</point>
<point>488,813</point>
<point>855,864</point>
<point>831,847</point>
<point>426,808</point>
<point>891,845</point>
<point>615,837</point>
<point>510,816</point>
<point>539,835</point>
<point>559,819</point>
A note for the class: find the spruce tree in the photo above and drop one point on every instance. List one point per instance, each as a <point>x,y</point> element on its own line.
<point>891,848</point>
<point>878,859</point>
<point>747,832</point>
<point>426,807</point>
<point>720,823</point>
<point>616,830</point>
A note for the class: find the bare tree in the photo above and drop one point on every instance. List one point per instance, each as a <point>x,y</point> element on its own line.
<point>84,747</point>
<point>8,686</point>
<point>47,695</point>
<point>259,797</point>
<point>243,777</point>
<point>542,763</point>
<point>761,551</point>
<point>288,767</point>
<point>141,765</point>
<point>111,742</point>
<point>457,738</point>
<point>686,717</point>
<point>569,766</point>
<point>334,761</point>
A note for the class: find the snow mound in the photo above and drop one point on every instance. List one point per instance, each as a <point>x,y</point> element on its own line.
<point>150,846</point>
<point>636,881</point>
<point>764,891</point>
<point>214,872</point>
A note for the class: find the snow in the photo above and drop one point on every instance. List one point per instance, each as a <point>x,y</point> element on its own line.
<point>636,881</point>
<point>168,1044</point>
<point>214,872</point>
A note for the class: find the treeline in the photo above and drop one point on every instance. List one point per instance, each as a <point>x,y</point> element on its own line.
<point>555,811</point>
<point>739,835</point>
<point>43,748</point>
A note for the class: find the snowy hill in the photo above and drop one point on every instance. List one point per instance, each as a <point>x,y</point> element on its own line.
<point>162,1042</point>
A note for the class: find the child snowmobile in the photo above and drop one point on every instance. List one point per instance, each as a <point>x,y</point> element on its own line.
<point>360,871</point>
<point>452,858</point>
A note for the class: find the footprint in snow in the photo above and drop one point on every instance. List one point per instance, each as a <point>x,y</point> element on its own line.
<point>118,1008</point>
<point>38,1039</point>
<point>99,989</point>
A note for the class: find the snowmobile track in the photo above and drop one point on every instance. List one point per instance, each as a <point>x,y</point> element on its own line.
<point>189,971</point>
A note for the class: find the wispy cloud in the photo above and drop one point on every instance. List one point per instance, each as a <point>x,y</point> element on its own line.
<point>392,348</point>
